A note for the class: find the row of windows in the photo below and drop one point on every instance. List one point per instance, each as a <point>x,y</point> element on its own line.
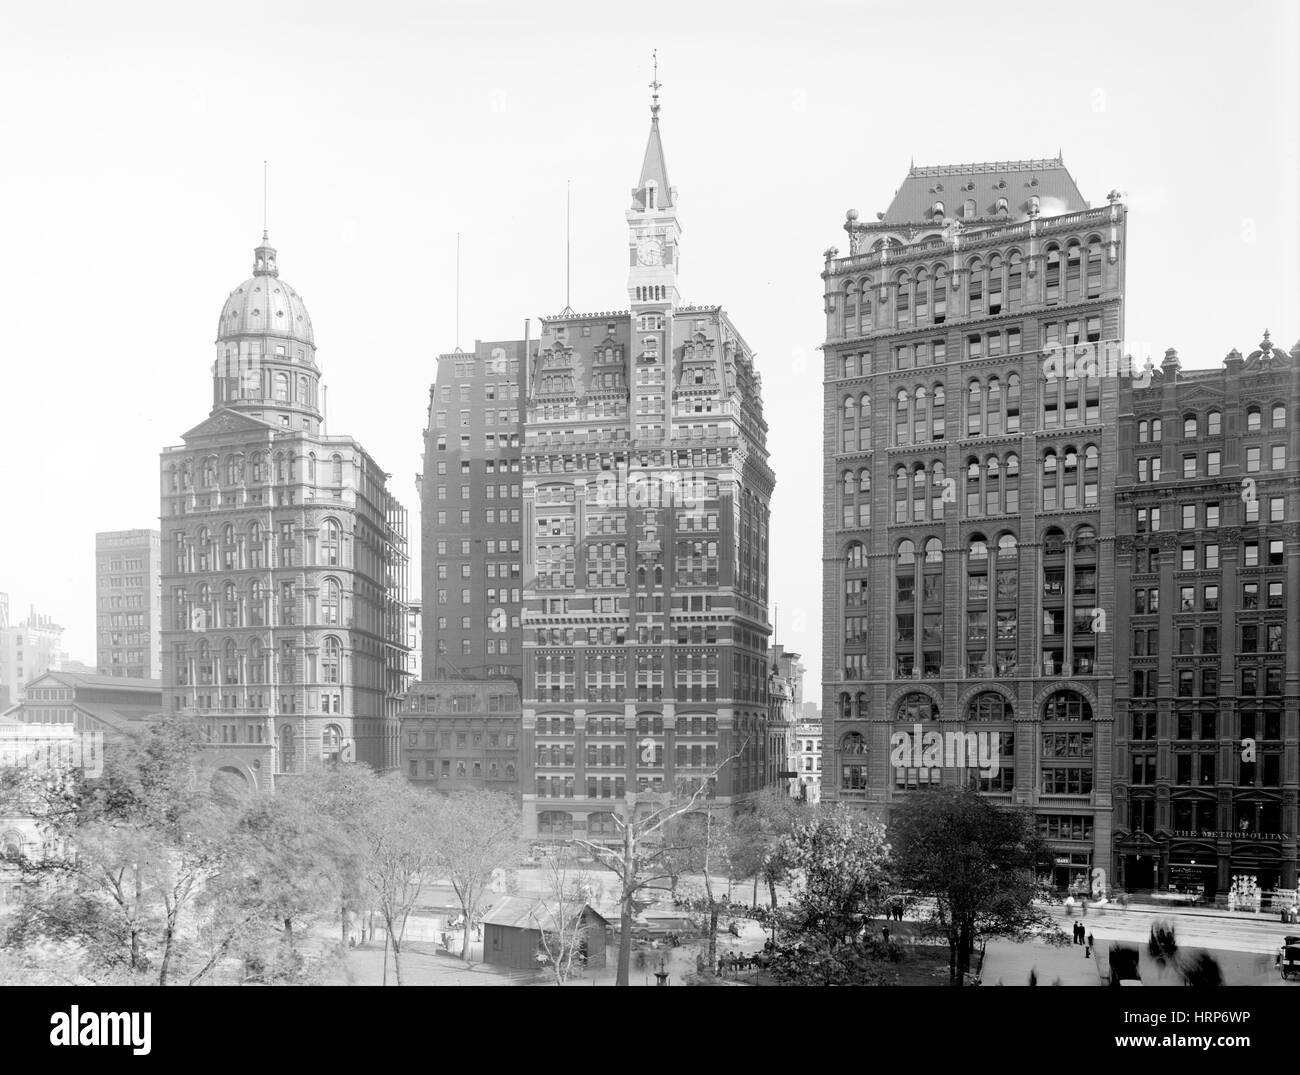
<point>1149,429</point>
<point>923,296</point>
<point>918,707</point>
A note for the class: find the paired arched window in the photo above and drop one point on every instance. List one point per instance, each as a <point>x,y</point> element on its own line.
<point>1063,487</point>
<point>855,423</point>
<point>856,498</point>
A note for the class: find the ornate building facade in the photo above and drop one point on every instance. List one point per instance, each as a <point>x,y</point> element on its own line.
<point>646,492</point>
<point>284,560</point>
<point>970,429</point>
<point>1207,699</point>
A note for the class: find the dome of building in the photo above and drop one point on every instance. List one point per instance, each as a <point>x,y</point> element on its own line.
<point>265,305</point>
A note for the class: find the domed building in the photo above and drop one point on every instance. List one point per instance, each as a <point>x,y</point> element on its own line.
<point>284,563</point>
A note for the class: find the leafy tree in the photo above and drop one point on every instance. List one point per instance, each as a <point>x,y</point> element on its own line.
<point>977,860</point>
<point>839,858</point>
<point>478,833</point>
<point>127,852</point>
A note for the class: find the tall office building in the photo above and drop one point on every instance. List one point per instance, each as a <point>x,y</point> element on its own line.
<point>645,523</point>
<point>460,723</point>
<point>1207,696</point>
<point>970,429</point>
<point>128,587</point>
<point>285,573</point>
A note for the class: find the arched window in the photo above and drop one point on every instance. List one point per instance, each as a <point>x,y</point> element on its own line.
<point>329,542</point>
<point>916,707</point>
<point>978,548</point>
<point>230,662</point>
<point>1279,416</point>
<point>234,470</point>
<point>286,752</point>
<point>331,744</point>
<point>989,705</point>
<point>994,407</point>
<point>853,743</point>
<point>331,659</point>
<point>1214,423</point>
<point>1007,548</point>
<point>846,706</point>
<point>282,387</point>
<point>860,704</point>
<point>11,845</point>
<point>1067,705</point>
<point>1144,431</point>
<point>258,463</point>
<point>336,465</point>
<point>311,467</point>
<point>933,551</point>
<point>856,555</point>
<point>906,553</point>
<point>902,423</point>
<point>330,602</point>
<point>303,392</point>
<point>1189,427</point>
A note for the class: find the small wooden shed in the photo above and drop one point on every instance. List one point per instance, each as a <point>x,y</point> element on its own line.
<point>512,933</point>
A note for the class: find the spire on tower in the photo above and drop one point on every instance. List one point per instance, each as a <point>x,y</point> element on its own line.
<point>653,190</point>
<point>654,88</point>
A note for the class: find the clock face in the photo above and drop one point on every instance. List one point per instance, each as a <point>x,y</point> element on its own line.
<point>650,252</point>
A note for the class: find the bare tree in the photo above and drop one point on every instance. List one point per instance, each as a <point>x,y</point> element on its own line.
<point>400,855</point>
<point>560,921</point>
<point>644,854</point>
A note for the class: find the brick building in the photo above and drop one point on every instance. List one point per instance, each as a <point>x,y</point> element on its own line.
<point>460,723</point>
<point>970,429</point>
<point>646,492</point>
<point>1208,594</point>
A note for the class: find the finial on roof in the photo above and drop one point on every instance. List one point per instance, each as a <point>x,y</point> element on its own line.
<point>1060,157</point>
<point>654,88</point>
<point>1266,344</point>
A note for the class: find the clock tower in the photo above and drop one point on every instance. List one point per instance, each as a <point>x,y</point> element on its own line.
<point>653,232</point>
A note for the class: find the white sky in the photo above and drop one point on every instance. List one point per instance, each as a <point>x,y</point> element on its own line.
<point>133,137</point>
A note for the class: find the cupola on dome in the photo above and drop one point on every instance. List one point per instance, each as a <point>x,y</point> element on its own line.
<point>265,305</point>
